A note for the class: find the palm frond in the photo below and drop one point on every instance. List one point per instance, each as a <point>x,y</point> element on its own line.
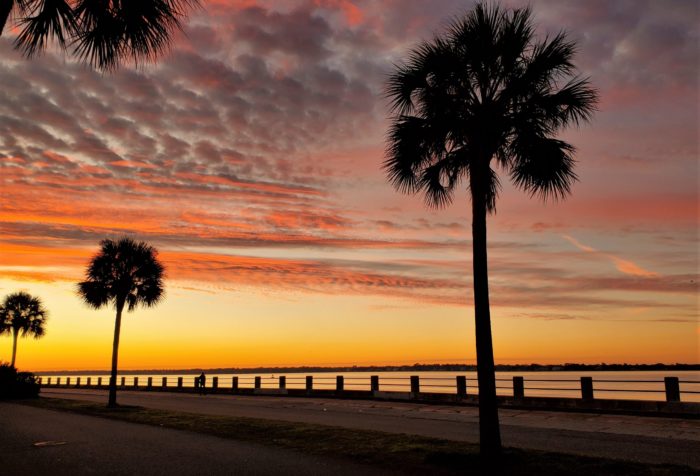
<point>48,20</point>
<point>437,184</point>
<point>550,60</point>
<point>95,294</point>
<point>103,33</point>
<point>99,40</point>
<point>515,35</point>
<point>147,278</point>
<point>425,60</point>
<point>492,189</point>
<point>139,30</point>
<point>576,102</point>
<point>15,9</point>
<point>6,8</point>
<point>412,145</point>
<point>543,166</point>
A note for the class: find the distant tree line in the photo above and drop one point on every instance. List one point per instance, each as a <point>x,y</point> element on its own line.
<point>399,368</point>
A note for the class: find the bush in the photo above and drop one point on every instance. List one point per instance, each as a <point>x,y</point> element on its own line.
<point>15,384</point>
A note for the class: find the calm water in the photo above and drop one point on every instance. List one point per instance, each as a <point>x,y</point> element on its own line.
<point>632,385</point>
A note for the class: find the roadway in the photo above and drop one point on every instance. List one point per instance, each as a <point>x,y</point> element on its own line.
<point>39,442</point>
<point>637,438</point>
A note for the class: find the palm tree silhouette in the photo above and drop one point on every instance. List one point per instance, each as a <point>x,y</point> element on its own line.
<point>102,33</point>
<point>22,315</point>
<point>123,273</point>
<point>487,92</point>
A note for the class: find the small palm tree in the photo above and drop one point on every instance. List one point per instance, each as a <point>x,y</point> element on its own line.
<point>102,33</point>
<point>124,273</point>
<point>485,94</point>
<point>22,315</point>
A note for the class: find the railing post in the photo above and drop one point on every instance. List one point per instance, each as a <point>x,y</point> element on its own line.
<point>587,388</point>
<point>283,381</point>
<point>123,381</point>
<point>58,381</point>
<point>415,384</point>
<point>150,383</point>
<point>77,383</point>
<point>99,381</point>
<point>339,383</point>
<point>67,381</point>
<point>257,382</point>
<point>214,383</point>
<point>49,382</point>
<point>673,390</point>
<point>374,383</point>
<point>136,382</point>
<point>518,388</point>
<point>461,386</point>
<point>164,382</point>
<point>89,381</point>
<point>179,382</point>
<point>234,384</point>
<point>309,383</point>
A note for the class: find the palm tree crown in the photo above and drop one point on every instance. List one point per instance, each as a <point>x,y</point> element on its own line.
<point>124,272</point>
<point>488,90</point>
<point>102,33</point>
<point>22,315</point>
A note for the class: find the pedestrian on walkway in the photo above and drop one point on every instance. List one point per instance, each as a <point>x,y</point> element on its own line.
<point>202,383</point>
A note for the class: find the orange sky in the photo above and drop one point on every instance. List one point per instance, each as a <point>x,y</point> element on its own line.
<point>251,156</point>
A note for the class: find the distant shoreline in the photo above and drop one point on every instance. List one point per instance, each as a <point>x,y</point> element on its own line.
<point>390,368</point>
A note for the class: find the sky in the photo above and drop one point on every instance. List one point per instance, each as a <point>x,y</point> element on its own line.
<point>250,157</point>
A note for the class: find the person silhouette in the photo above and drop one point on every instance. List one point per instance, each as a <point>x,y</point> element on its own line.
<point>202,383</point>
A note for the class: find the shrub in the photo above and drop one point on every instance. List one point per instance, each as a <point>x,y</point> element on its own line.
<point>15,384</point>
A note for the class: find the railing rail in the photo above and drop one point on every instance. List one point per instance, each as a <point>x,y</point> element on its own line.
<point>520,386</point>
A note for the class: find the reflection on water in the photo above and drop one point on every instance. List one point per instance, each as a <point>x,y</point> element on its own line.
<point>627,385</point>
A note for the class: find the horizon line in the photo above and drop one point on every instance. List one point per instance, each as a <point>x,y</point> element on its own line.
<point>375,366</point>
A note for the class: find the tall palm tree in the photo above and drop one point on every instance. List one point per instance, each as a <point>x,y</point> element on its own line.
<point>102,33</point>
<point>124,273</point>
<point>487,93</point>
<point>22,315</point>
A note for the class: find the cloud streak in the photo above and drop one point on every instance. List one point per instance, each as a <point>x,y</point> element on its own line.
<point>622,265</point>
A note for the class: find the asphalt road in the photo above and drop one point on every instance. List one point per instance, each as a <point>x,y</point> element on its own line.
<point>99,446</point>
<point>641,439</point>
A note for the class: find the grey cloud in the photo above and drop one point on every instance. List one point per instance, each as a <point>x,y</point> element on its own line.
<point>299,33</point>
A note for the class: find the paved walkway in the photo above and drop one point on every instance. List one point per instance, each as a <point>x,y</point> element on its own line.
<point>642,439</point>
<point>98,446</point>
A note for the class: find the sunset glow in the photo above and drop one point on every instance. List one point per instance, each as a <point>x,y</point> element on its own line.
<point>250,157</point>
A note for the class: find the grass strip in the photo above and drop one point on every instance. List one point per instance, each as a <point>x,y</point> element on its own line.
<point>407,453</point>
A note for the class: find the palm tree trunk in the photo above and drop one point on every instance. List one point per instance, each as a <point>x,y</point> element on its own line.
<point>112,402</point>
<point>489,431</point>
<point>5,9</point>
<point>14,346</point>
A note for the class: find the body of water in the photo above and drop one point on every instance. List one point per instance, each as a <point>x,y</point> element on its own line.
<point>625,385</point>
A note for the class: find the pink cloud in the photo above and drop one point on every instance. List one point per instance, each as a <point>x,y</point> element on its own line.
<point>622,265</point>
<point>264,130</point>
